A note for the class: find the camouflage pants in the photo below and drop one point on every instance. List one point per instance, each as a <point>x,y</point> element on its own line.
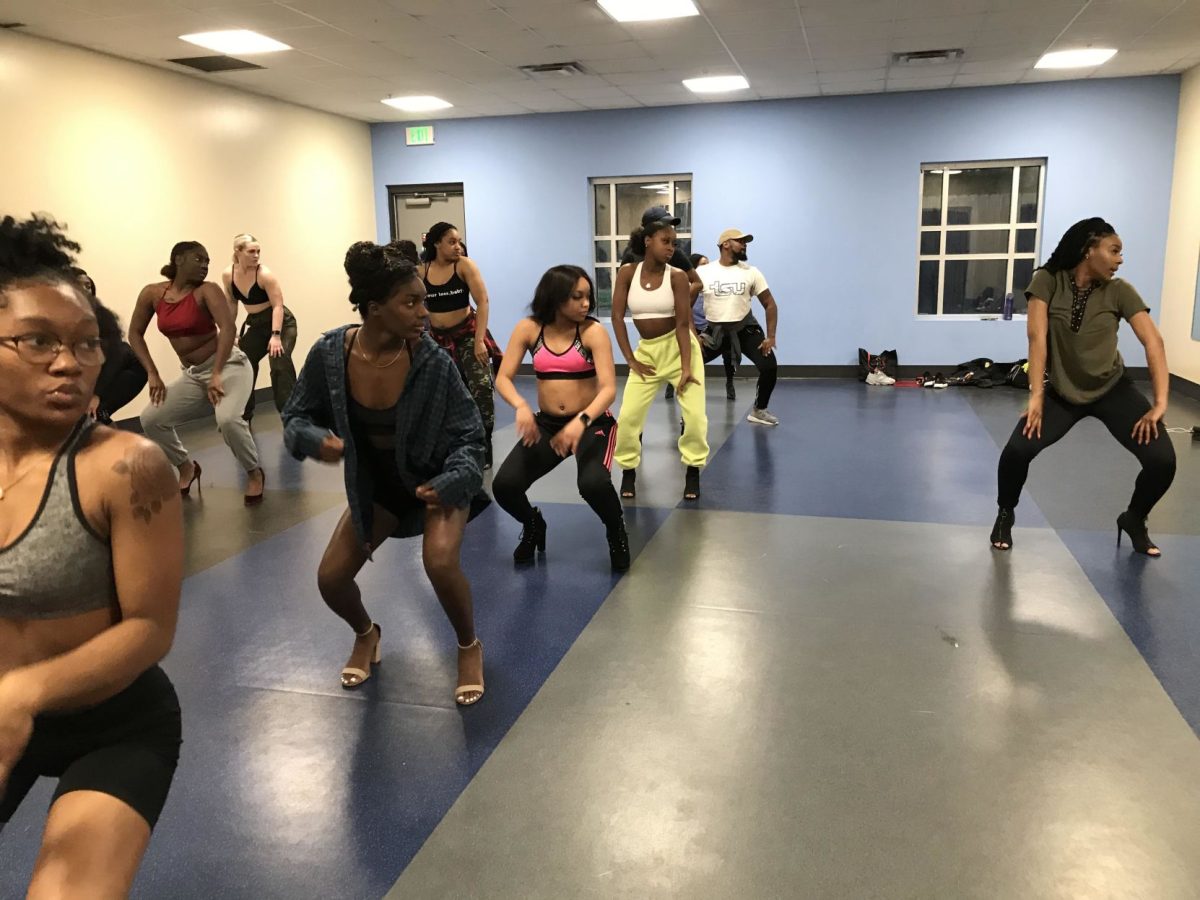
<point>477,376</point>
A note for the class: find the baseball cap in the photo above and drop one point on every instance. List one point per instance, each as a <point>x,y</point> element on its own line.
<point>734,234</point>
<point>658,213</point>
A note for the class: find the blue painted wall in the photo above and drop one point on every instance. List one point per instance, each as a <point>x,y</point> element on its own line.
<point>829,187</point>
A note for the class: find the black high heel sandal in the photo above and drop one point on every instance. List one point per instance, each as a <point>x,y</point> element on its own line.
<point>1139,536</point>
<point>195,479</point>
<point>533,539</point>
<point>628,484</point>
<point>691,483</point>
<point>1002,530</point>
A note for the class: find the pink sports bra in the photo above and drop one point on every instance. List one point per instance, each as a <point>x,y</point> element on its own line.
<point>573,363</point>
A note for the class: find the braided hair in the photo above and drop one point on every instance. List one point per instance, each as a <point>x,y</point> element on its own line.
<point>1074,245</point>
<point>432,238</point>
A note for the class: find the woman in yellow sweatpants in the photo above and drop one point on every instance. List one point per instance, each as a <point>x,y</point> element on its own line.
<point>657,298</point>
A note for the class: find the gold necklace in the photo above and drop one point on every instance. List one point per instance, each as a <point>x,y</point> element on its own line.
<point>13,483</point>
<point>386,365</point>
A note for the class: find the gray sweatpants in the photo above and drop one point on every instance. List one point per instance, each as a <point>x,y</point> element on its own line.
<point>187,399</point>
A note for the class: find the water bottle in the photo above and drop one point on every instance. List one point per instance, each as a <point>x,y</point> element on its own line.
<point>1008,306</point>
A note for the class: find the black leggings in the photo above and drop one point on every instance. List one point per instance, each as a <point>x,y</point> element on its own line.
<point>525,465</point>
<point>750,337</point>
<point>1119,410</point>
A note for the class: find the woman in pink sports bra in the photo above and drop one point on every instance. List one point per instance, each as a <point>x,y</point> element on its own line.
<point>577,381</point>
<point>195,317</point>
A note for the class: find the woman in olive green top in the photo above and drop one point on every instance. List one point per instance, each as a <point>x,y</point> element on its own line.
<point>1075,306</point>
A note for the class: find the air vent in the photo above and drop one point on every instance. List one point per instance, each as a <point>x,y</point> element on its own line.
<point>215,63</point>
<point>926,57</point>
<point>554,71</point>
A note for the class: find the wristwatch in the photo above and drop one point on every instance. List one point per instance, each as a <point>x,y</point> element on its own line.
<point>585,419</point>
<point>276,333</point>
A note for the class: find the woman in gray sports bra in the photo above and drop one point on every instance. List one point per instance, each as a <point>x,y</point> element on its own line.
<point>91,565</point>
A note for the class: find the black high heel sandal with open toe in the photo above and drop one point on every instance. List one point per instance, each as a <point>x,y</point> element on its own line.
<point>1139,536</point>
<point>1002,530</point>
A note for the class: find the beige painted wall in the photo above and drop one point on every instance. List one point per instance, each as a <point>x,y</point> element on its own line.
<point>1183,237</point>
<point>134,158</point>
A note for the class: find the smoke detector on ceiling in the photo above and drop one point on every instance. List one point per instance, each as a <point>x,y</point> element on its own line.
<point>926,57</point>
<point>554,71</point>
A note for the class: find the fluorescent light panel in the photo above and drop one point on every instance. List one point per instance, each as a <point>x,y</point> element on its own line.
<point>648,10</point>
<point>235,43</point>
<point>422,103</point>
<point>716,84</point>
<point>1076,59</point>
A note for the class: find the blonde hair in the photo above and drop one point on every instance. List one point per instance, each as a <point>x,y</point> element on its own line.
<point>240,241</point>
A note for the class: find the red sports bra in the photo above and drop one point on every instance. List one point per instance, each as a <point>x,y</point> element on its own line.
<point>183,318</point>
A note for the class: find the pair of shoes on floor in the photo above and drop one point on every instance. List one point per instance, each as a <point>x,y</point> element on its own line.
<point>354,676</point>
<point>879,377</point>
<point>934,381</point>
<point>762,417</point>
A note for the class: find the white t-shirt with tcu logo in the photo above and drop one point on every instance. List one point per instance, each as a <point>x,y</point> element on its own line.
<point>728,289</point>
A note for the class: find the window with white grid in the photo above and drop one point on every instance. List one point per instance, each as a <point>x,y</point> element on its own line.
<point>617,207</point>
<point>980,234</point>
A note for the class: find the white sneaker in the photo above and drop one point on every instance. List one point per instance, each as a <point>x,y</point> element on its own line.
<point>877,377</point>
<point>762,417</point>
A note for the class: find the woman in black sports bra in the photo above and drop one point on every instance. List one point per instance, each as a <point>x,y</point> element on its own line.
<point>451,281</point>
<point>270,328</point>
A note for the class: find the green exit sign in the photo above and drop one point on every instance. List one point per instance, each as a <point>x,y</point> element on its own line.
<point>418,135</point>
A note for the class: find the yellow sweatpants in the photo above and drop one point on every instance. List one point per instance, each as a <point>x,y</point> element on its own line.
<point>663,354</point>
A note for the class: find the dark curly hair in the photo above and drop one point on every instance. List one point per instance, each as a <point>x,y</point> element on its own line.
<point>408,250</point>
<point>376,271</point>
<point>555,289</point>
<point>641,234</point>
<point>35,250</point>
<point>169,270</point>
<point>1076,242</point>
<point>435,234</point>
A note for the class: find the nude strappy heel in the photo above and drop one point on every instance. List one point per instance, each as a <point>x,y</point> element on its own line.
<point>463,689</point>
<point>361,675</point>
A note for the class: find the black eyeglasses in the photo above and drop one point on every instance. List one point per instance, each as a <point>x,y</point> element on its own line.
<point>40,349</point>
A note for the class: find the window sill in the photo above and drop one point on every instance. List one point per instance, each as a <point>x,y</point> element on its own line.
<point>972,317</point>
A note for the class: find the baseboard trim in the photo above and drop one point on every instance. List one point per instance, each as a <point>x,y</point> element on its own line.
<point>1183,386</point>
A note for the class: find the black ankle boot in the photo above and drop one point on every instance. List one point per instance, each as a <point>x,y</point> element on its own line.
<point>1002,530</point>
<point>533,538</point>
<point>730,392</point>
<point>1138,535</point>
<point>618,547</point>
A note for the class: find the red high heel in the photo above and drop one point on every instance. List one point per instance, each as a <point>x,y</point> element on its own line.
<point>187,490</point>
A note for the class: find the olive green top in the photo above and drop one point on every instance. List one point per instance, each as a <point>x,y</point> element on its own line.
<point>1083,360</point>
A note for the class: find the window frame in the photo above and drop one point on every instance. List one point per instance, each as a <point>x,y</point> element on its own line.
<point>942,229</point>
<point>612,237</point>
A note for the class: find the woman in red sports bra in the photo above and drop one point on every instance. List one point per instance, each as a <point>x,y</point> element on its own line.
<point>573,361</point>
<point>195,317</point>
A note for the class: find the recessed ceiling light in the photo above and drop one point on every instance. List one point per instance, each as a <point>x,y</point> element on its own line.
<point>418,104</point>
<point>238,43</point>
<point>1076,59</point>
<point>716,84</point>
<point>648,10</point>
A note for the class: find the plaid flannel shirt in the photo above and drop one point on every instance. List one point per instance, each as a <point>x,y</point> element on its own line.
<point>439,434</point>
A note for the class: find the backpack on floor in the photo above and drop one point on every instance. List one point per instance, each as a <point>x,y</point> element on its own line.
<point>979,372</point>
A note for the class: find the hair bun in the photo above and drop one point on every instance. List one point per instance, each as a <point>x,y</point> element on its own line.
<point>364,259</point>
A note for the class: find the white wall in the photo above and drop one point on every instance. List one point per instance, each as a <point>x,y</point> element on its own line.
<point>1183,239</point>
<point>135,158</point>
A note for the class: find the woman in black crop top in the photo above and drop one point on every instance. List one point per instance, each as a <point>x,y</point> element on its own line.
<point>451,281</point>
<point>91,567</point>
<point>270,328</point>
<point>577,382</point>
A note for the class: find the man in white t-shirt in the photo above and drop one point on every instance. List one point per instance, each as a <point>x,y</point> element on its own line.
<point>729,283</point>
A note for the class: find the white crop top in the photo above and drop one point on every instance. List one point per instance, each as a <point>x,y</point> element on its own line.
<point>656,304</point>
